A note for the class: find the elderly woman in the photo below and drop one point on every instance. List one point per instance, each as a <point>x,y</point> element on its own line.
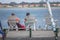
<point>29,21</point>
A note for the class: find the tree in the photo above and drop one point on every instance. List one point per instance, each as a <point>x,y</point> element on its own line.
<point>13,3</point>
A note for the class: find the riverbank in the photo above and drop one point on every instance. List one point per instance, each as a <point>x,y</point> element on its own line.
<point>27,7</point>
<point>16,8</point>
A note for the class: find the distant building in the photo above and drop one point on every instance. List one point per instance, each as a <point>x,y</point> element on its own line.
<point>19,5</point>
<point>59,4</point>
<point>37,5</point>
<point>24,4</point>
<point>32,5</point>
<point>0,6</point>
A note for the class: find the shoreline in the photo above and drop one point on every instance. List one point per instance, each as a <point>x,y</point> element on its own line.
<point>30,7</point>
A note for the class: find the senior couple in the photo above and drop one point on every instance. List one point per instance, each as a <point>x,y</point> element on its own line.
<point>14,21</point>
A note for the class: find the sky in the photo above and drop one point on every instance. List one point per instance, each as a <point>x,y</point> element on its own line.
<point>19,1</point>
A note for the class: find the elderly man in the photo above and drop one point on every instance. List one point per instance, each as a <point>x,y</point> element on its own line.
<point>2,33</point>
<point>12,20</point>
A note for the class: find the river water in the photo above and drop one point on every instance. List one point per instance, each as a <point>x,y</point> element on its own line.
<point>39,14</point>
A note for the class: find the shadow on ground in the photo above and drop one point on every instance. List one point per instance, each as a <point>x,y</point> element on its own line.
<point>33,38</point>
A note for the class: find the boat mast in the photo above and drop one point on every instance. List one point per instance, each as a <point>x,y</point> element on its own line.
<point>51,15</point>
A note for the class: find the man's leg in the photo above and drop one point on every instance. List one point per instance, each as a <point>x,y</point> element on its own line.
<point>27,26</point>
<point>3,34</point>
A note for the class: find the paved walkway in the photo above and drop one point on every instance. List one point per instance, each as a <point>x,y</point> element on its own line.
<point>14,34</point>
<point>59,36</point>
<point>36,35</point>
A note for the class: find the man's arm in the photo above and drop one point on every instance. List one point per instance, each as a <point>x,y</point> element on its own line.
<point>8,23</point>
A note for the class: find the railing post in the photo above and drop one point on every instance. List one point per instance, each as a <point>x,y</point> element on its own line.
<point>56,33</point>
<point>4,35</point>
<point>34,27</point>
<point>30,32</point>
